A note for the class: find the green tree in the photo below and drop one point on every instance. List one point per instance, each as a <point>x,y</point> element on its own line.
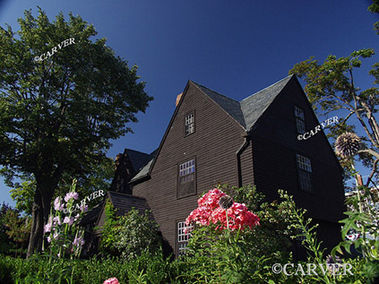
<point>331,86</point>
<point>99,178</point>
<point>374,8</point>
<point>58,115</point>
<point>14,230</point>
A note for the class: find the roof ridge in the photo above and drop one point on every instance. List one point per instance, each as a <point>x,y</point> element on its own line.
<point>230,106</point>
<point>289,76</point>
<point>125,194</point>
<point>128,149</point>
<point>214,91</point>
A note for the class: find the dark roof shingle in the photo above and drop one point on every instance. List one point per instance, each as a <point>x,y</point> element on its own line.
<point>124,202</point>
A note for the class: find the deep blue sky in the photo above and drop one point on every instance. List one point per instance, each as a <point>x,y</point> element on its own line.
<point>233,47</point>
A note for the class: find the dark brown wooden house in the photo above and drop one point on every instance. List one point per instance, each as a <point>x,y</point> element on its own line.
<point>212,139</point>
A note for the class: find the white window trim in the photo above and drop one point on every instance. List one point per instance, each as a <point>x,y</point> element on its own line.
<point>183,236</point>
<point>187,171</point>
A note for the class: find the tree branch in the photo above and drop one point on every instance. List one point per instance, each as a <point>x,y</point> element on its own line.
<point>374,143</point>
<point>371,119</point>
<point>370,151</point>
<point>372,172</point>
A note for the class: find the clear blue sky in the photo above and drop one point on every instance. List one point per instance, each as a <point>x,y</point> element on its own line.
<point>233,47</point>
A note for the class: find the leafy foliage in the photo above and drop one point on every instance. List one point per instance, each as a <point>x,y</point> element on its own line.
<point>374,8</point>
<point>129,235</point>
<point>146,268</point>
<point>362,218</point>
<point>275,218</point>
<point>330,86</point>
<point>214,256</point>
<point>14,231</point>
<point>109,230</point>
<point>241,256</point>
<point>23,194</point>
<point>57,116</point>
<point>137,233</point>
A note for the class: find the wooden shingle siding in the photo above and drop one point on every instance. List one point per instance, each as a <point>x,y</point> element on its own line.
<point>214,143</point>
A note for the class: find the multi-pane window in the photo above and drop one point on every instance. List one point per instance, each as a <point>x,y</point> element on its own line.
<point>189,124</point>
<point>300,120</point>
<point>305,171</point>
<point>187,178</point>
<point>187,171</point>
<point>183,236</point>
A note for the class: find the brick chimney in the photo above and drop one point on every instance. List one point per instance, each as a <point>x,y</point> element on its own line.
<point>178,97</point>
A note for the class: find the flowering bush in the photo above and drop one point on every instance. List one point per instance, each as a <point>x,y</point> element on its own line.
<point>61,230</point>
<point>209,210</point>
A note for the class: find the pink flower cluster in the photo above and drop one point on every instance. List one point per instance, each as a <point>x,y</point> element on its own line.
<point>78,241</point>
<point>58,206</point>
<point>111,281</point>
<point>71,195</point>
<point>209,211</point>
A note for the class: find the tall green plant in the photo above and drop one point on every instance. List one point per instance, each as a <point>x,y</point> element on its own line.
<point>363,220</point>
<point>109,230</point>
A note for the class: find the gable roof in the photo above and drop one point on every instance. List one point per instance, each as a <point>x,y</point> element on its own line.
<point>143,172</point>
<point>246,112</point>
<point>232,107</point>
<point>138,159</point>
<point>254,106</point>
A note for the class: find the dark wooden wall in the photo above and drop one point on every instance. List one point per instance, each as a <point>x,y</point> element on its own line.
<point>214,144</point>
<point>275,146</point>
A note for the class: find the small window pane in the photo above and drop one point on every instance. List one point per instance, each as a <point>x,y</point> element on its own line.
<point>305,181</point>
<point>187,171</point>
<point>300,126</point>
<point>299,113</point>
<point>304,172</point>
<point>189,124</point>
<point>304,163</point>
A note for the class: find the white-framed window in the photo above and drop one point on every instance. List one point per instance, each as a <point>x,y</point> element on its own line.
<point>304,171</point>
<point>187,171</point>
<point>300,120</point>
<point>189,124</point>
<point>183,232</point>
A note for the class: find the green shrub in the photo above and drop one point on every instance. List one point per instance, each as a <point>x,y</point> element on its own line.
<point>145,269</point>
<point>130,235</point>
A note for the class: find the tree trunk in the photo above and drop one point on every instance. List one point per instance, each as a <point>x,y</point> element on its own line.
<point>40,215</point>
<point>35,239</point>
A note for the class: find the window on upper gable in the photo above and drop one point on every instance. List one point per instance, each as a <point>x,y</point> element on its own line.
<point>189,124</point>
<point>304,169</point>
<point>183,235</point>
<point>300,120</point>
<point>186,178</point>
